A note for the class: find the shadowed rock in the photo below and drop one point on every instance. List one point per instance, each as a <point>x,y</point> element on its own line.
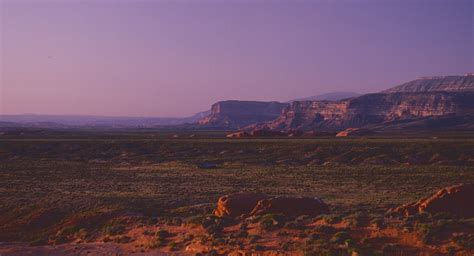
<point>456,200</point>
<point>290,206</point>
<point>237,204</point>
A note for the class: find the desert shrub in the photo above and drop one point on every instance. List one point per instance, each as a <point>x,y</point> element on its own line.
<point>122,239</point>
<point>271,221</point>
<point>422,217</point>
<point>175,221</point>
<point>451,251</point>
<point>391,249</point>
<point>162,234</point>
<point>243,226</point>
<point>431,233</point>
<point>358,219</point>
<point>340,237</point>
<point>294,225</point>
<point>267,224</point>
<point>254,238</point>
<point>173,246</point>
<point>259,247</point>
<point>465,241</point>
<point>349,243</point>
<point>325,229</point>
<point>243,234</point>
<point>378,223</point>
<point>332,219</point>
<point>112,230</point>
<point>39,240</point>
<point>148,232</point>
<point>286,245</point>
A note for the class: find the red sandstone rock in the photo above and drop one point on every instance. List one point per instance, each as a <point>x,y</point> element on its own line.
<point>354,132</point>
<point>290,206</point>
<point>456,200</point>
<point>237,135</point>
<point>237,204</point>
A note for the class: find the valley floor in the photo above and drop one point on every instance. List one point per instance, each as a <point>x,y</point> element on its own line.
<point>145,193</point>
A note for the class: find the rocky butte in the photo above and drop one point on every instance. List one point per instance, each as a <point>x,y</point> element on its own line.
<point>423,98</point>
<point>237,114</point>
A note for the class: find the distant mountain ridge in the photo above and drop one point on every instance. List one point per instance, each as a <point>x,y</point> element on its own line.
<point>329,96</point>
<point>436,84</point>
<point>71,121</point>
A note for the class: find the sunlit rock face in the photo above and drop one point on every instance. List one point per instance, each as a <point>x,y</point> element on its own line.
<point>425,97</point>
<point>371,109</point>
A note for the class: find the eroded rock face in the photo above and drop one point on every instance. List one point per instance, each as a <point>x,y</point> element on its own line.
<point>290,206</point>
<point>235,205</point>
<point>456,200</point>
<point>370,109</point>
<point>236,114</point>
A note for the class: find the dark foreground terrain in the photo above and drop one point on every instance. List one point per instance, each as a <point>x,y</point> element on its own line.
<point>82,192</point>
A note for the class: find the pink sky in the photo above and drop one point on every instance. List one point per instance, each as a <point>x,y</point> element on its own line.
<point>176,58</point>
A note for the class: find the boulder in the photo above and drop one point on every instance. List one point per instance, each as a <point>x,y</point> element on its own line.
<point>456,200</point>
<point>238,204</point>
<point>290,206</point>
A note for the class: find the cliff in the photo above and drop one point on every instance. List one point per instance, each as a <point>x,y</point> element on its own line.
<point>236,114</point>
<point>369,109</point>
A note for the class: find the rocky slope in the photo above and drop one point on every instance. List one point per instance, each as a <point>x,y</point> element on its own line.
<point>438,83</point>
<point>237,114</point>
<point>369,109</point>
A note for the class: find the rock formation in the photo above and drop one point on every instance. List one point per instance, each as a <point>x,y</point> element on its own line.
<point>290,206</point>
<point>369,109</point>
<point>455,200</point>
<point>354,132</point>
<point>235,114</point>
<point>237,204</point>
<point>245,203</point>
<point>422,98</point>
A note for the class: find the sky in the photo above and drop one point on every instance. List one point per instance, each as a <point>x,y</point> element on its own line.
<point>176,58</point>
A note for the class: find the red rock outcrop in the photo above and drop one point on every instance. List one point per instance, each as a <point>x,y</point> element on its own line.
<point>456,200</point>
<point>290,206</point>
<point>237,204</point>
<point>248,204</point>
<point>369,109</point>
<point>238,134</point>
<point>354,132</point>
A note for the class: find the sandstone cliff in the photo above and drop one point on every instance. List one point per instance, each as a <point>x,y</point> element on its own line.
<point>237,114</point>
<point>369,109</point>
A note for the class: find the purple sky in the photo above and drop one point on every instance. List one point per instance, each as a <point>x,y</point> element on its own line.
<point>175,58</point>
